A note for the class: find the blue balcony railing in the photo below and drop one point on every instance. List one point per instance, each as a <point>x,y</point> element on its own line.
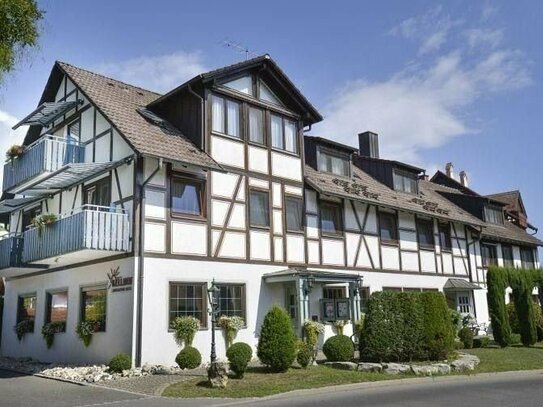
<point>87,228</point>
<point>11,246</point>
<point>47,154</point>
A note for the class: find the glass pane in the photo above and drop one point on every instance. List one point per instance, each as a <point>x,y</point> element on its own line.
<point>425,233</point>
<point>294,213</point>
<point>256,125</point>
<point>330,218</point>
<point>277,132</point>
<point>58,308</point>
<point>186,198</point>
<point>94,307</point>
<point>267,95</point>
<point>244,85</point>
<point>291,141</point>
<point>232,109</point>
<point>259,213</point>
<point>387,224</point>
<point>74,131</point>
<point>217,115</point>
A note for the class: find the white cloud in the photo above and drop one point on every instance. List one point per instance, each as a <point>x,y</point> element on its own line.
<point>432,101</point>
<point>160,73</point>
<point>9,137</point>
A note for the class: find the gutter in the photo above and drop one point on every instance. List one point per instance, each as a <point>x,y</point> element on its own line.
<point>141,264</point>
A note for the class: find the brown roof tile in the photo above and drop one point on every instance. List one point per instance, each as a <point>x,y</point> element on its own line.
<point>119,102</point>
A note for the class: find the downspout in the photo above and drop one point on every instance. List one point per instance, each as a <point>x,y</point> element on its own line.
<point>141,263</point>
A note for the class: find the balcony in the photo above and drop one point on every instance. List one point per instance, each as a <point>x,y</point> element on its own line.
<point>10,250</point>
<point>88,233</point>
<point>45,156</point>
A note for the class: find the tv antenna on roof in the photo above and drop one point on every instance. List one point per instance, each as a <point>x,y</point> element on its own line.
<point>239,48</point>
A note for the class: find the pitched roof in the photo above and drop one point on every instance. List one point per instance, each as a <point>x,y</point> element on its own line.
<point>119,102</point>
<point>261,60</point>
<point>363,187</point>
<point>512,199</point>
<point>509,233</point>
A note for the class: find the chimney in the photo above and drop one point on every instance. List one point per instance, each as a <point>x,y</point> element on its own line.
<point>449,170</point>
<point>464,178</point>
<point>368,143</point>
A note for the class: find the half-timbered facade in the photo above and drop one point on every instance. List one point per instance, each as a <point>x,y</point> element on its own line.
<point>154,196</point>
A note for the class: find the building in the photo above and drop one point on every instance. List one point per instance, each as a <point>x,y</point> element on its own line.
<point>154,196</point>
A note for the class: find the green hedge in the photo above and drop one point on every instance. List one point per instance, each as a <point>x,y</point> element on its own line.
<point>497,279</point>
<point>522,285</point>
<point>406,327</point>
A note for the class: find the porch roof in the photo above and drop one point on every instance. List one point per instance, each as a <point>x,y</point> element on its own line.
<point>319,276</point>
<point>47,113</point>
<point>458,284</point>
<point>70,175</point>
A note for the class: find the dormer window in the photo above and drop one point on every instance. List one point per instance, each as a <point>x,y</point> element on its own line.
<point>248,85</point>
<point>333,162</point>
<point>493,214</point>
<point>405,181</point>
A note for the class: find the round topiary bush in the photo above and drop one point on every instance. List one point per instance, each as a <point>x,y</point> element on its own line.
<point>305,354</point>
<point>277,342</point>
<point>189,358</point>
<point>338,348</point>
<point>239,355</point>
<point>120,362</point>
<point>466,336</point>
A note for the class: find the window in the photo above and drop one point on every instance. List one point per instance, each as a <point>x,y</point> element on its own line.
<point>364,294</point>
<point>94,306</point>
<point>284,134</point>
<point>259,208</point>
<point>232,300</point>
<point>405,181</point>
<point>57,307</point>
<point>267,95</point>
<point>335,305</point>
<point>74,131</point>
<point>187,196</point>
<point>507,253</point>
<point>425,234</point>
<point>392,289</point>
<point>187,299</point>
<point>445,237</point>
<point>294,215</point>
<point>463,303</point>
<point>243,85</point>
<point>334,163</point>
<point>331,217</point>
<point>527,257</point>
<point>225,116</point>
<point>388,227</point>
<point>489,255</point>
<point>98,193</point>
<point>26,308</point>
<point>256,125</point>
<point>493,214</point>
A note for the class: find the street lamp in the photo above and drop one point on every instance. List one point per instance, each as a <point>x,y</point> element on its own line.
<point>212,295</point>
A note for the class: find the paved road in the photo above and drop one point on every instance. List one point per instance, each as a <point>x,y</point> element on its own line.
<point>512,389</point>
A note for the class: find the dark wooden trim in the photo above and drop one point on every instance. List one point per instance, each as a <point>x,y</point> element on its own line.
<point>229,215</point>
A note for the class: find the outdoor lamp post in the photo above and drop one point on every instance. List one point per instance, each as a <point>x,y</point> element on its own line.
<point>212,292</point>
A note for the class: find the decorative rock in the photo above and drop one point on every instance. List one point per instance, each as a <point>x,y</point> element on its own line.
<point>396,368</point>
<point>342,365</point>
<point>217,374</point>
<point>465,362</point>
<point>370,367</point>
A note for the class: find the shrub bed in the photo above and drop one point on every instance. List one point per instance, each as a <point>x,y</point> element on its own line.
<point>406,327</point>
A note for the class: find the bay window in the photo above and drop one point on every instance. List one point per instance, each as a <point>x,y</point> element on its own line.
<point>188,299</point>
<point>187,196</point>
<point>225,116</point>
<point>259,214</point>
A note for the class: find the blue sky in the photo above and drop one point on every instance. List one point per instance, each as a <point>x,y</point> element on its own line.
<point>459,81</point>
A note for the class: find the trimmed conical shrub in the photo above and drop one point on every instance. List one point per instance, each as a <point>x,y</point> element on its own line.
<point>277,342</point>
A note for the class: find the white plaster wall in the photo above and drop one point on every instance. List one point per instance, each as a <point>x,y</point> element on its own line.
<point>67,347</point>
<point>285,166</point>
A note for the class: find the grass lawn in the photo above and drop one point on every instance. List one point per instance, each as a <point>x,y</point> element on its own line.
<point>508,359</point>
<point>258,382</point>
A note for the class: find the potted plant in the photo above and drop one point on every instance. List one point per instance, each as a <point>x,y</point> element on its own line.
<point>44,220</point>
<point>15,151</point>
<point>339,325</point>
<point>49,330</point>
<point>85,330</point>
<point>231,326</point>
<point>24,327</point>
<point>185,328</point>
